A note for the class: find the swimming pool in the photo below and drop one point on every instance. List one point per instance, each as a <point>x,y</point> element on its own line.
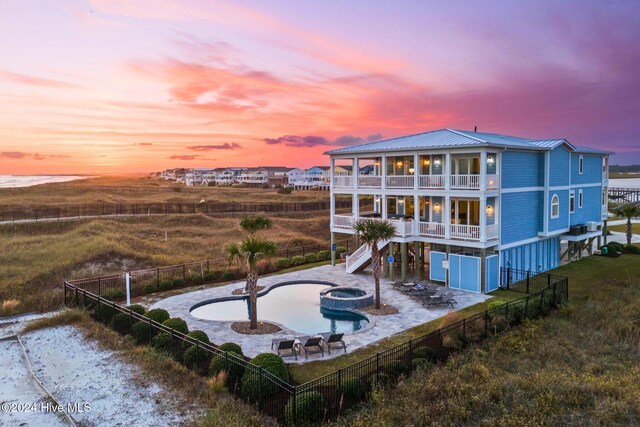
<point>294,306</point>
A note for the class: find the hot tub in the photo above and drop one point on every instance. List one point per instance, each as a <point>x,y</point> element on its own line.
<point>345,298</point>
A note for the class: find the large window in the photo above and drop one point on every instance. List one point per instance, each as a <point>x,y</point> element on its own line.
<point>572,201</point>
<point>555,206</point>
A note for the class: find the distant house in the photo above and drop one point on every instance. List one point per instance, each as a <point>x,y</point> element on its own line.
<point>229,176</point>
<point>201,176</point>
<point>474,203</point>
<point>264,176</point>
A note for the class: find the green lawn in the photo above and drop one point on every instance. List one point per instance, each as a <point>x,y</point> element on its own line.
<point>312,370</point>
<point>579,366</point>
<point>635,228</point>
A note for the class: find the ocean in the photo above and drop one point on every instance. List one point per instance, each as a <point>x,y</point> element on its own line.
<point>625,183</point>
<point>14,181</point>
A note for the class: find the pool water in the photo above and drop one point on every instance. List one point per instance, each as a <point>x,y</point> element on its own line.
<point>296,307</point>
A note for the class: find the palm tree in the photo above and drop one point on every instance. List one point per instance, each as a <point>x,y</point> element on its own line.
<point>629,210</point>
<point>247,253</point>
<point>372,232</point>
<point>255,223</point>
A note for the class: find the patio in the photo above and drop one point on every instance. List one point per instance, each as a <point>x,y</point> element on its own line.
<point>410,313</point>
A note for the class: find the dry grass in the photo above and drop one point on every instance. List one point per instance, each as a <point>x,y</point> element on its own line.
<point>36,258</point>
<point>9,307</point>
<point>622,228</point>
<point>142,190</point>
<point>577,367</point>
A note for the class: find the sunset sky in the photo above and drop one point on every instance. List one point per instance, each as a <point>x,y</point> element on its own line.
<point>110,86</point>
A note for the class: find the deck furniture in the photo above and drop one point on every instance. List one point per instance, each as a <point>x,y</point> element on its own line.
<point>445,299</point>
<point>310,345</point>
<point>333,340</point>
<point>285,347</point>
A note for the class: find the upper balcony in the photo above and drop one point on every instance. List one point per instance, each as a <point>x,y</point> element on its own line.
<point>419,172</point>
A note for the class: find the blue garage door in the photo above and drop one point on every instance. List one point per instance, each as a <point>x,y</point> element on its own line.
<point>464,273</point>
<point>436,271</point>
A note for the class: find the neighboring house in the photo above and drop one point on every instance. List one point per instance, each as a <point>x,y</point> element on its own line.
<point>229,176</point>
<point>201,176</point>
<point>265,176</point>
<point>472,203</point>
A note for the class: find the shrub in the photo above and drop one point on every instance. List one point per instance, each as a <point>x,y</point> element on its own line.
<point>142,332</point>
<point>324,255</point>
<point>516,313</point>
<point>380,380</point>
<point>137,308</point>
<point>251,378</point>
<point>197,280</point>
<point>114,294</point>
<point>227,275</point>
<point>231,346</point>
<point>425,352</point>
<point>197,359</point>
<point>199,335</point>
<point>209,276</point>
<point>120,323</point>
<point>616,246</point>
<point>178,324</point>
<point>149,289</point>
<point>165,285</point>
<point>231,365</point>
<point>297,260</point>
<point>420,363</point>
<point>395,368</point>
<point>632,249</point>
<point>285,190</point>
<point>103,313</point>
<point>283,262</point>
<point>340,250</point>
<point>163,342</point>
<point>309,409</point>
<point>310,258</point>
<point>157,314</point>
<point>178,282</point>
<point>496,303</point>
<point>353,389</point>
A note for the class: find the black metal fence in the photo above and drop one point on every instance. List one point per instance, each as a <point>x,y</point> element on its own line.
<point>13,214</point>
<point>525,281</point>
<point>327,397</point>
<point>193,273</point>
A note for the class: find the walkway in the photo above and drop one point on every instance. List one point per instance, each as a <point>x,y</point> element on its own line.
<point>410,312</point>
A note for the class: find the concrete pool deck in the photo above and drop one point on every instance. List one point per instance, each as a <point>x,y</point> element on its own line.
<point>410,313</point>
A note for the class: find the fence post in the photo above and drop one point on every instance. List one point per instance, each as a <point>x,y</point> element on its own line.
<point>295,415</point>
<point>75,289</point>
<point>377,368</point>
<point>150,330</point>
<point>528,273</point>
<point>565,281</point>
<point>260,388</point>
<point>99,287</point>
<point>554,295</point>
<point>526,306</point>
<point>508,277</point>
<point>541,300</point>
<point>410,353</point>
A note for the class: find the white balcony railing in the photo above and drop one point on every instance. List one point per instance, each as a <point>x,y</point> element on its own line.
<point>465,181</point>
<point>403,228</point>
<point>369,181</point>
<point>432,229</point>
<point>343,181</point>
<point>492,231</point>
<point>400,181</point>
<point>352,258</point>
<point>465,232</point>
<point>431,181</point>
<point>343,221</point>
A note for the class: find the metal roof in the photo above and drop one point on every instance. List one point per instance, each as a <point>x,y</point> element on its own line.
<point>589,150</point>
<point>452,138</point>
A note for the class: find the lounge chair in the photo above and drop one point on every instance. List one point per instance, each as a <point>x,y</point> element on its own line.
<point>285,347</point>
<point>331,340</point>
<point>445,299</point>
<point>310,345</point>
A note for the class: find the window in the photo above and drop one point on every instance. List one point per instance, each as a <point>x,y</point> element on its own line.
<point>604,196</point>
<point>572,202</point>
<point>580,164</point>
<point>555,206</point>
<point>580,198</point>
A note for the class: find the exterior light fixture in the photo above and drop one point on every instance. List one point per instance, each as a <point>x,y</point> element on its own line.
<point>399,163</point>
<point>426,162</point>
<point>490,160</point>
<point>436,207</point>
<point>377,162</point>
<point>489,209</point>
<point>436,161</point>
<point>411,170</point>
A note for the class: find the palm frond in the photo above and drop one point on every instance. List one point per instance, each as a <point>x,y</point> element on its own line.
<point>372,231</point>
<point>254,223</point>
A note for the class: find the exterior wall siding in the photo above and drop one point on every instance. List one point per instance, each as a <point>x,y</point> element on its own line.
<point>592,169</point>
<point>521,216</point>
<point>591,208</point>
<point>558,166</point>
<point>522,169</point>
<point>538,256</point>
<point>562,221</point>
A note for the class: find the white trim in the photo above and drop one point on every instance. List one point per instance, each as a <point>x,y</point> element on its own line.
<point>551,214</point>
<point>557,188</point>
<point>580,199</point>
<point>531,240</point>
<point>572,207</point>
<point>580,164</point>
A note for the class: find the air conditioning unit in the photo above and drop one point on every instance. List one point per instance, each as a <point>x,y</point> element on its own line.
<point>592,226</point>
<point>574,230</point>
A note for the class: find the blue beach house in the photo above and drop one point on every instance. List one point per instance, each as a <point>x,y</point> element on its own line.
<point>466,204</point>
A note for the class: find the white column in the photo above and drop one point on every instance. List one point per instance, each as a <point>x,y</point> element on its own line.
<point>355,206</point>
<point>332,208</point>
<point>483,218</point>
<point>355,172</point>
<point>383,173</point>
<point>416,170</point>
<point>416,215</point>
<point>383,206</point>
<point>446,216</point>
<point>446,170</point>
<point>483,171</point>
<point>332,163</point>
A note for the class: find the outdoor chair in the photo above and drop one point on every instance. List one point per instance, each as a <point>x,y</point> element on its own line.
<point>310,345</point>
<point>285,347</point>
<point>445,299</point>
<point>333,340</point>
